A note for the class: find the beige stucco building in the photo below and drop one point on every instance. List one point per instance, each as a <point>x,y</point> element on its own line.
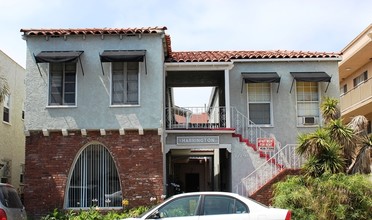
<point>12,138</point>
<point>355,71</point>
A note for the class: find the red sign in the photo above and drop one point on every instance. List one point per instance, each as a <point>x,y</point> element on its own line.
<point>266,144</point>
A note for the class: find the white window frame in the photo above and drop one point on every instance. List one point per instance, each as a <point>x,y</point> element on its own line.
<point>6,107</point>
<point>360,79</point>
<point>63,105</point>
<point>263,102</point>
<point>300,119</point>
<point>138,86</point>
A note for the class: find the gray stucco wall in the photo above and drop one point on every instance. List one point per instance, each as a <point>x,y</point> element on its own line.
<point>284,126</point>
<point>93,109</point>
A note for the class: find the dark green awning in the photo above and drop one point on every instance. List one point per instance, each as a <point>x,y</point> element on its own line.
<point>260,77</point>
<point>57,56</point>
<point>311,76</point>
<point>123,55</point>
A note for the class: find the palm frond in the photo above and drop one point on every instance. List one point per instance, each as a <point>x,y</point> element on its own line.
<point>330,109</point>
<point>358,124</point>
<point>363,160</point>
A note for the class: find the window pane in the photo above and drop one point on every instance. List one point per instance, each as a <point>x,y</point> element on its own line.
<point>259,92</point>
<point>9,198</point>
<point>180,207</point>
<point>124,83</point>
<point>259,106</point>
<point>6,114</point>
<point>62,83</point>
<point>259,113</point>
<point>217,205</point>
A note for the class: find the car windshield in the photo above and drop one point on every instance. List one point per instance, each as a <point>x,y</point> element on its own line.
<point>9,197</point>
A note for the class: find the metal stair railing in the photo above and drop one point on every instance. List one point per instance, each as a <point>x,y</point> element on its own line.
<point>284,158</point>
<point>246,128</point>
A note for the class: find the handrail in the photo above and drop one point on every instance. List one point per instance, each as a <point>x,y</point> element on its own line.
<point>247,128</point>
<point>285,157</point>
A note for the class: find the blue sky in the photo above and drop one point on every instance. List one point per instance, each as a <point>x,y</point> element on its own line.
<point>309,25</point>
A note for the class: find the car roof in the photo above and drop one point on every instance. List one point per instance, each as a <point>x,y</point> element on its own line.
<point>206,193</point>
<point>6,184</point>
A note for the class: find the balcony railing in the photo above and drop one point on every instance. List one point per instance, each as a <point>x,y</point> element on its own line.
<point>195,117</point>
<point>356,95</point>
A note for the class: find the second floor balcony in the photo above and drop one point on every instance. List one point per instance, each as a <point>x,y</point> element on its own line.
<point>360,97</point>
<point>195,117</point>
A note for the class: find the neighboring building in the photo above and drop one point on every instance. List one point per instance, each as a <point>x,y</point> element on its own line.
<point>355,71</point>
<point>12,138</point>
<point>103,126</point>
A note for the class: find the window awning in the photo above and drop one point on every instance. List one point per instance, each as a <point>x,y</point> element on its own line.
<point>311,77</point>
<point>260,77</point>
<point>123,56</point>
<point>58,57</point>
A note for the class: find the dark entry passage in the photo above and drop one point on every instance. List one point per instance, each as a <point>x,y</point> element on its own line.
<point>192,182</point>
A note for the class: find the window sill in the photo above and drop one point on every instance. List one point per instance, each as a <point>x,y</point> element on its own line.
<point>60,106</point>
<point>7,123</point>
<point>262,125</point>
<point>124,106</point>
<point>308,126</point>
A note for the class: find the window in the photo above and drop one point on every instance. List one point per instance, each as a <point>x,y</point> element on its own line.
<point>219,205</point>
<point>307,103</point>
<point>186,206</point>
<point>360,79</point>
<point>124,88</point>
<point>62,84</point>
<point>343,89</point>
<point>6,109</point>
<point>94,180</point>
<point>259,103</point>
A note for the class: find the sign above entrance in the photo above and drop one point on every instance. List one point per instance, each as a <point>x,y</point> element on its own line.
<point>266,144</point>
<point>192,140</point>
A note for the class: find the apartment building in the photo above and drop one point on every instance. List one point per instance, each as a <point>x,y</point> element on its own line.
<point>103,126</point>
<point>355,78</point>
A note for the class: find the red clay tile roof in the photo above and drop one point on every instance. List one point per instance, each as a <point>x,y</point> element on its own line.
<point>226,56</point>
<point>93,31</point>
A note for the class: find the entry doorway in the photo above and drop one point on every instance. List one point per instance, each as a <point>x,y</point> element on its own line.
<point>192,182</point>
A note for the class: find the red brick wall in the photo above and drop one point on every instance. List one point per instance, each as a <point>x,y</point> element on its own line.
<point>265,193</point>
<point>49,159</point>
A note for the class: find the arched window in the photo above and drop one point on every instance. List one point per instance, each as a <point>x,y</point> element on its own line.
<point>94,180</point>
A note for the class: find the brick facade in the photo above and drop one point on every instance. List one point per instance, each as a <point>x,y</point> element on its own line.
<point>49,159</point>
<point>264,194</point>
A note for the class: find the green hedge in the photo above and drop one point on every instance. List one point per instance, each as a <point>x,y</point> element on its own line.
<point>331,196</point>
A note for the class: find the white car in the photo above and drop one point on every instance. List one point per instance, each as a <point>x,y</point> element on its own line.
<point>213,206</point>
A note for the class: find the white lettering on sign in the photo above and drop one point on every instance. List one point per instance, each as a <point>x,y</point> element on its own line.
<point>266,144</point>
<point>189,140</point>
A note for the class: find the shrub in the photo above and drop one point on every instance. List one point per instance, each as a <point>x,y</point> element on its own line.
<point>330,196</point>
<point>94,214</point>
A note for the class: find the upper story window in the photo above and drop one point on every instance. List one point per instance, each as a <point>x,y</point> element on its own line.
<point>343,89</point>
<point>307,94</point>
<point>62,75</point>
<point>6,109</point>
<point>124,85</point>
<point>259,103</point>
<point>360,79</point>
<point>62,84</point>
